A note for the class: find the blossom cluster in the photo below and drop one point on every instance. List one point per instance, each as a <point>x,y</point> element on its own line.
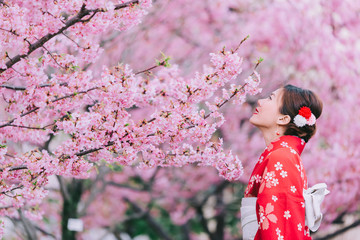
<point>294,38</point>
<point>49,93</point>
<point>44,49</point>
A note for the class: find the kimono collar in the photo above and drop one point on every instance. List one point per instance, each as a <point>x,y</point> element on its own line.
<point>292,142</point>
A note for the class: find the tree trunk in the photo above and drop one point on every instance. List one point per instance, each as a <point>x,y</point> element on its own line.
<point>70,205</point>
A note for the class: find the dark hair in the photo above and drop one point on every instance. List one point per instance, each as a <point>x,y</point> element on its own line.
<point>293,98</point>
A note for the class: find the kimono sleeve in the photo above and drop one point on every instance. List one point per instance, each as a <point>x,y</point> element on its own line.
<point>280,205</point>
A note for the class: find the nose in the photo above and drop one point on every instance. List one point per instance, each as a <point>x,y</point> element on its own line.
<point>259,101</point>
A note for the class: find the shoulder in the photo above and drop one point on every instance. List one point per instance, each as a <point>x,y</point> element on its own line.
<point>284,155</point>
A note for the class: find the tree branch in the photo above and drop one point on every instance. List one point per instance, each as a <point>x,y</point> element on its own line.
<point>340,231</point>
<point>64,191</point>
<point>21,167</point>
<point>203,220</point>
<point>198,205</point>
<point>78,18</point>
<point>17,88</point>
<point>219,188</point>
<point>28,127</point>
<point>94,191</point>
<point>55,100</point>
<point>10,31</point>
<point>157,227</point>
<point>52,56</point>
<point>45,232</point>
<point>29,228</point>
<point>2,3</point>
<point>120,185</point>
<point>14,88</point>
<point>74,94</point>
<point>220,217</point>
<point>74,41</point>
<point>5,192</point>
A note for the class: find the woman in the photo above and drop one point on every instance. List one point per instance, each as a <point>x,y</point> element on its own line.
<point>287,120</point>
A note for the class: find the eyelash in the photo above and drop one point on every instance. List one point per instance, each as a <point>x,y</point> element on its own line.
<point>270,97</point>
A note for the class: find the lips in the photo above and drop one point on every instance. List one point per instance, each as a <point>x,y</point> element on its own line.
<point>256,111</point>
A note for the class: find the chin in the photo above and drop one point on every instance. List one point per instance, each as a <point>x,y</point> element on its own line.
<point>252,121</point>
<point>255,121</point>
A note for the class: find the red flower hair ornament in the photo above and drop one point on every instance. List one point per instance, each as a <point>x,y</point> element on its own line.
<point>305,116</point>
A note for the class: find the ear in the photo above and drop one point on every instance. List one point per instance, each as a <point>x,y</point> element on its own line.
<point>283,120</point>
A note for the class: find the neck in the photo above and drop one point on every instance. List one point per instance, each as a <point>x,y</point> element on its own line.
<point>270,135</point>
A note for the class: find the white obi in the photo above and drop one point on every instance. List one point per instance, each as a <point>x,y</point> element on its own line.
<point>249,221</point>
<point>313,198</point>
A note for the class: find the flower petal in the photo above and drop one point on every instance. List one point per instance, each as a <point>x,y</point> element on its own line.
<point>272,218</point>
<point>269,208</point>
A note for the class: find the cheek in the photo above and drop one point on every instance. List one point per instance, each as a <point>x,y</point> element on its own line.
<point>273,110</point>
<point>269,114</point>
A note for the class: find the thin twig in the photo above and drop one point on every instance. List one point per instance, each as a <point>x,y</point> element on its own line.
<point>21,167</point>
<point>147,70</point>
<point>53,57</point>
<point>74,94</point>
<point>5,192</point>
<point>19,88</point>
<point>121,185</point>
<point>49,13</point>
<point>13,88</point>
<point>241,42</point>
<point>10,31</point>
<point>27,127</point>
<point>45,232</point>
<point>74,41</point>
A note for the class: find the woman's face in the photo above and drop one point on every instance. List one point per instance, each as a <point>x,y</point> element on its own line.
<point>267,112</point>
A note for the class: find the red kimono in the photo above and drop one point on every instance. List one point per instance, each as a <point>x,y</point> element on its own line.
<point>277,181</point>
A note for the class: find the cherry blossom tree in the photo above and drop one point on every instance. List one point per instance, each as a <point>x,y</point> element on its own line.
<point>49,92</point>
<point>313,44</point>
<point>55,86</point>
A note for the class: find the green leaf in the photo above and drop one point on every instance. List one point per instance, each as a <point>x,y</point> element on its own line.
<point>73,67</point>
<point>164,60</point>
